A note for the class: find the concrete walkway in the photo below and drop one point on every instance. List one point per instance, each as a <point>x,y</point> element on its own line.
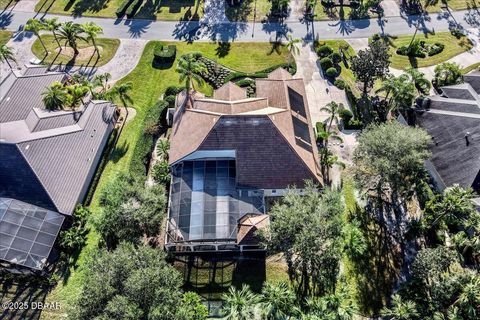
<point>390,8</point>
<point>21,45</point>
<point>214,12</point>
<point>319,90</point>
<point>25,5</point>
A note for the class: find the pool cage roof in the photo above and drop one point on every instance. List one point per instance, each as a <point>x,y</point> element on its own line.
<point>27,233</point>
<point>205,202</point>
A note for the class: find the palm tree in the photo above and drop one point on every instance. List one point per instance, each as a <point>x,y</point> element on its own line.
<point>122,93</point>
<point>401,89</point>
<point>92,30</point>
<point>190,71</point>
<point>448,73</point>
<point>292,48</point>
<point>333,109</point>
<point>418,78</point>
<point>35,26</point>
<point>53,26</point>
<point>101,80</point>
<point>54,97</point>
<point>401,310</point>
<point>6,54</point>
<point>76,92</point>
<point>325,136</point>
<point>71,33</point>
<point>278,301</point>
<point>239,304</point>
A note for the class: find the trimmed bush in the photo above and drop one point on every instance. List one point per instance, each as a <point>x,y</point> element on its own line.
<point>170,100</point>
<point>324,51</point>
<point>435,49</point>
<point>133,7</point>
<point>340,84</point>
<point>353,125</point>
<point>331,72</point>
<point>123,6</point>
<point>326,63</point>
<point>336,57</point>
<point>245,82</point>
<point>163,53</point>
<point>173,90</point>
<point>345,114</point>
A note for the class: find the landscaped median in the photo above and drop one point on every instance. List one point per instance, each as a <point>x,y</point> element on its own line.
<point>87,55</point>
<point>452,46</point>
<point>4,37</point>
<point>147,9</point>
<point>149,82</point>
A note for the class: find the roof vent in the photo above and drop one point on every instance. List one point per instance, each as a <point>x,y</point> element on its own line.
<point>8,99</point>
<point>27,146</point>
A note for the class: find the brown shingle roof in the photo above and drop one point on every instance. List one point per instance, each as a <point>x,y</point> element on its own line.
<point>229,92</point>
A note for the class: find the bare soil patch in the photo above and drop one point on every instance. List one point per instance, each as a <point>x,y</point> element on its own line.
<point>84,53</point>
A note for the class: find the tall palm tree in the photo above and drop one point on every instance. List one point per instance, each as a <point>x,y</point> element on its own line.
<point>53,26</point>
<point>92,30</point>
<point>278,301</point>
<point>54,97</point>
<point>35,26</point>
<point>421,83</point>
<point>240,304</point>
<point>190,71</point>
<point>101,80</point>
<point>122,92</point>
<point>292,46</point>
<point>333,109</point>
<point>6,54</point>
<point>71,33</point>
<point>401,310</point>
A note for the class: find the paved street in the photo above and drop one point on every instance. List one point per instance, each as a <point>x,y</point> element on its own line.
<point>228,31</point>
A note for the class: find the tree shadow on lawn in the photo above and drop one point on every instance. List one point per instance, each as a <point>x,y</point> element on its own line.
<point>86,5</point>
<point>23,290</point>
<point>118,152</point>
<point>222,49</point>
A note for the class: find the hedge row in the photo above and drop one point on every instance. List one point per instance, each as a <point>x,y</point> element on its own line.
<point>163,53</point>
<point>261,74</point>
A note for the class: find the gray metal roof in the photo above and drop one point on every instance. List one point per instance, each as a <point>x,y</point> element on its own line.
<point>27,233</point>
<point>50,157</point>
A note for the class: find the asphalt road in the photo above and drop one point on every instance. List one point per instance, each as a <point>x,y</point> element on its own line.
<point>196,31</point>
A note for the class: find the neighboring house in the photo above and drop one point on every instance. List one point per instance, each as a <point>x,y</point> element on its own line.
<point>228,153</point>
<point>453,121</point>
<point>47,162</point>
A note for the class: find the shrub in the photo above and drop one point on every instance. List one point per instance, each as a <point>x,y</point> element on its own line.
<point>324,51</point>
<point>336,57</point>
<point>133,7</point>
<point>123,6</point>
<point>331,72</point>
<point>345,114</point>
<point>163,53</point>
<point>170,100</point>
<point>435,49</point>
<point>173,90</point>
<point>326,63</point>
<point>353,125</point>
<point>340,84</point>
<point>161,172</point>
<point>245,82</point>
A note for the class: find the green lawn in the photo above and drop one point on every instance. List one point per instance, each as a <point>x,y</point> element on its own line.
<point>346,74</point>
<point>151,9</point>
<point>149,82</point>
<point>108,49</point>
<point>4,37</point>
<point>475,66</point>
<point>334,13</point>
<point>6,3</point>
<point>247,10</point>
<point>453,47</point>
<point>453,5</point>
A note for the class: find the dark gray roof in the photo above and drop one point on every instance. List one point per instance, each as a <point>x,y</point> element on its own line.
<point>456,158</point>
<point>24,94</point>
<point>27,233</point>
<point>50,157</point>
<point>473,78</point>
<point>265,160</point>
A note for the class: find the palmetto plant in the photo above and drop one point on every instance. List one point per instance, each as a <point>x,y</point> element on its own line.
<point>418,78</point>
<point>6,54</point>
<point>190,71</point>
<point>101,81</point>
<point>35,26</point>
<point>54,97</point>
<point>240,304</point>
<point>278,301</point>
<point>163,145</point>
<point>71,32</point>
<point>53,26</point>
<point>401,310</point>
<point>92,30</point>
